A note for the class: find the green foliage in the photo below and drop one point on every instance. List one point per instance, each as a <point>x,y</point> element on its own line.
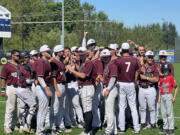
<point>32,36</point>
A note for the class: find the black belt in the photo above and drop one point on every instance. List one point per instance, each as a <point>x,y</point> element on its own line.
<point>81,86</point>
<point>12,85</point>
<point>148,86</point>
<point>62,83</point>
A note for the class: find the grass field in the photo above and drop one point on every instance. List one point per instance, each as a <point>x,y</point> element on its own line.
<point>144,132</point>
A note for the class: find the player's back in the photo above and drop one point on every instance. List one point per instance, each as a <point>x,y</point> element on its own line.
<point>127,67</point>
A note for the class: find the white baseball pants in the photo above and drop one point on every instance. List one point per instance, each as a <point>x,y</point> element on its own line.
<point>147,96</point>
<point>11,107</point>
<point>127,92</point>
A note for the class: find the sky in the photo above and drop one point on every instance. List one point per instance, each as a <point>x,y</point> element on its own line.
<point>133,12</point>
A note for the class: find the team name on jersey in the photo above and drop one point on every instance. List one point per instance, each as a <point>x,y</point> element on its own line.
<point>14,74</point>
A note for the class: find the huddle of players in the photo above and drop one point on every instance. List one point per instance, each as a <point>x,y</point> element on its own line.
<point>90,74</point>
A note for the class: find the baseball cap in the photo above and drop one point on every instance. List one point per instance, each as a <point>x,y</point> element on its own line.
<point>149,53</point>
<point>82,50</point>
<point>90,42</point>
<point>74,48</point>
<point>33,52</point>
<point>58,48</point>
<point>125,46</point>
<point>105,53</point>
<point>113,46</point>
<point>163,53</point>
<point>44,48</point>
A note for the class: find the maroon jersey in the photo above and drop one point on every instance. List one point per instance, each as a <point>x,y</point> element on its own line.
<point>109,71</point>
<point>33,65</point>
<point>87,68</point>
<point>43,69</point>
<point>24,73</point>
<point>97,69</point>
<point>10,74</point>
<point>127,67</point>
<point>58,70</point>
<point>151,71</point>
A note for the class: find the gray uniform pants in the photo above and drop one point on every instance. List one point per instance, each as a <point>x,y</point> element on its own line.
<point>25,97</point>
<point>86,95</point>
<point>43,102</point>
<point>73,93</point>
<point>11,107</point>
<point>167,111</point>
<point>147,96</point>
<point>110,111</point>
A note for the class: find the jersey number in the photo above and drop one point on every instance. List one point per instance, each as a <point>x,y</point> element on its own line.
<point>128,65</point>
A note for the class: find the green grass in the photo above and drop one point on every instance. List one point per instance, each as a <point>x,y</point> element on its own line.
<point>144,132</point>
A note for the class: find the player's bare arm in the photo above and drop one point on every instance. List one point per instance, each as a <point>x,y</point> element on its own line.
<point>3,85</point>
<point>151,79</point>
<point>79,74</point>
<point>175,94</point>
<point>56,87</point>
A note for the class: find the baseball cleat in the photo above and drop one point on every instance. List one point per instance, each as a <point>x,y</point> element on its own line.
<point>170,132</point>
<point>135,132</point>
<point>7,131</point>
<point>68,129</point>
<point>153,127</point>
<point>121,131</point>
<point>163,131</point>
<point>143,126</point>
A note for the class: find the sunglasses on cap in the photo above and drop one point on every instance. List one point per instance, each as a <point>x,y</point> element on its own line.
<point>49,52</point>
<point>150,57</point>
<point>163,56</point>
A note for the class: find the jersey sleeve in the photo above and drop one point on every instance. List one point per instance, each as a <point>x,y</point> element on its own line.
<point>174,82</point>
<point>4,72</point>
<point>113,71</point>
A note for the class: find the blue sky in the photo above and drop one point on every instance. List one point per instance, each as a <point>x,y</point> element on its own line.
<point>132,12</point>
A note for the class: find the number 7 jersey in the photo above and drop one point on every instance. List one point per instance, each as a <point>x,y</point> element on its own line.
<point>127,67</point>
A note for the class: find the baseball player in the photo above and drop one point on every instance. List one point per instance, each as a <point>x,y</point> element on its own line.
<point>43,91</point>
<point>149,75</point>
<point>97,77</point>
<point>162,60</point>
<point>9,84</point>
<point>72,88</point>
<point>86,88</point>
<point>25,95</point>
<point>110,91</point>
<point>59,79</point>
<point>34,57</point>
<point>166,85</point>
<point>127,70</point>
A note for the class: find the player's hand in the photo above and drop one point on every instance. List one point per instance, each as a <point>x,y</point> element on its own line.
<point>69,68</point>
<point>58,93</point>
<point>173,100</point>
<point>48,91</point>
<point>106,92</point>
<point>143,77</point>
<point>3,94</point>
<point>85,34</point>
<point>159,101</point>
<point>101,48</point>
